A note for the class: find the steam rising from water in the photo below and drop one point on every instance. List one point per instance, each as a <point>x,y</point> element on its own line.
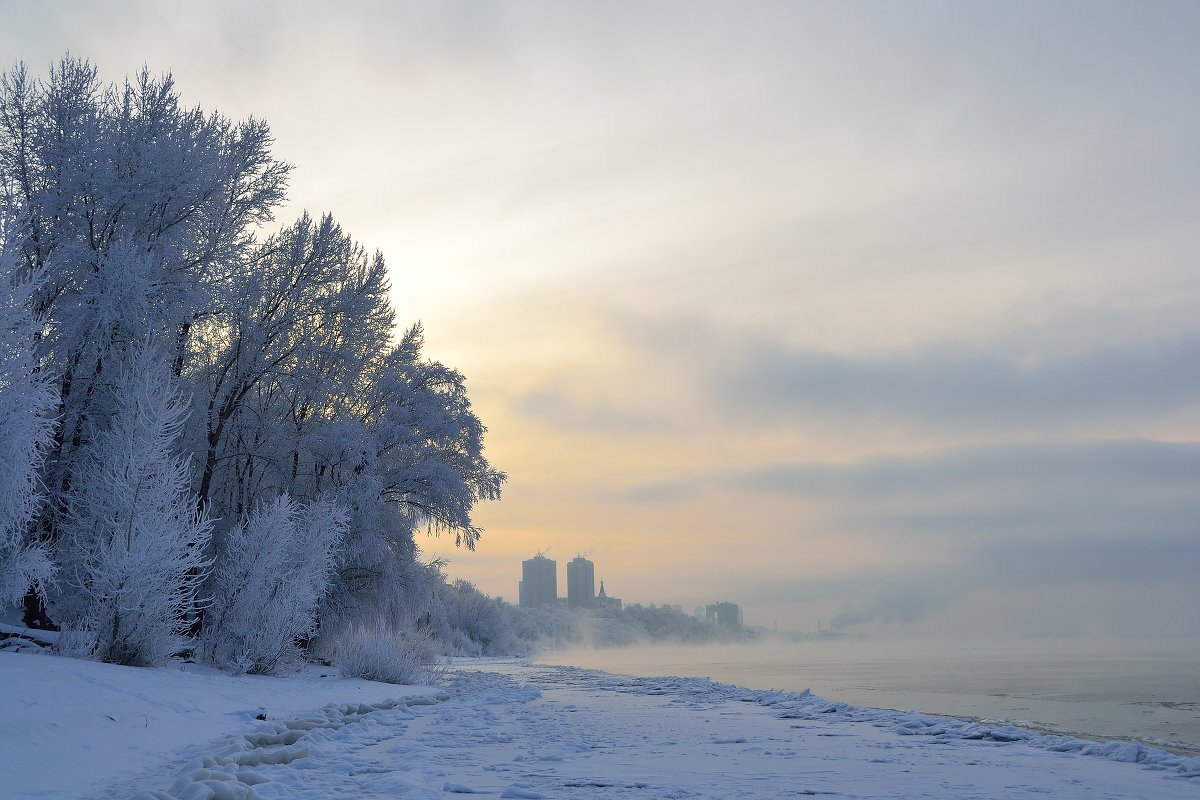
<point>1092,688</point>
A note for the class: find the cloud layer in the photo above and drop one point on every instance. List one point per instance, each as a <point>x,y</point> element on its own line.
<point>884,312</point>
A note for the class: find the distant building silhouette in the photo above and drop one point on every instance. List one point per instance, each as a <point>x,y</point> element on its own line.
<point>539,582</point>
<point>604,601</point>
<point>581,583</point>
<point>727,614</point>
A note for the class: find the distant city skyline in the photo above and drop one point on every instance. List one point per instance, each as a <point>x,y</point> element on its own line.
<point>538,587</point>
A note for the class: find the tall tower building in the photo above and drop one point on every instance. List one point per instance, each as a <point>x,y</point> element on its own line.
<point>539,582</point>
<point>581,583</point>
<point>726,614</point>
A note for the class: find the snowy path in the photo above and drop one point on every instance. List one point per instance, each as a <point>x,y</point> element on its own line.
<point>513,730</point>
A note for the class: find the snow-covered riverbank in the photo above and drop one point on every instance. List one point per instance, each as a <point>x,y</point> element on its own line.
<point>509,729</point>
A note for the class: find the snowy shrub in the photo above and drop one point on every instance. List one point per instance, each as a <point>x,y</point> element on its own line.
<point>378,653</point>
<point>548,627</point>
<point>26,402</point>
<point>134,543</point>
<point>663,623</point>
<point>379,573</point>
<point>270,576</point>
<point>470,623</point>
<point>75,644</point>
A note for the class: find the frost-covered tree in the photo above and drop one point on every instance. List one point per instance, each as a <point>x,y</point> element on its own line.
<point>304,395</point>
<point>379,573</point>
<point>415,460</point>
<point>287,361</point>
<point>27,401</point>
<point>143,218</point>
<point>426,443</point>
<point>139,210</point>
<point>272,572</point>
<point>134,544</point>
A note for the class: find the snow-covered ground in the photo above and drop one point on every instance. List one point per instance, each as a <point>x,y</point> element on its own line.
<point>73,728</point>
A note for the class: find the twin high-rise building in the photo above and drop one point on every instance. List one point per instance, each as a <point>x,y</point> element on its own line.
<point>539,582</point>
<point>727,614</point>
<point>581,583</point>
<point>539,587</point>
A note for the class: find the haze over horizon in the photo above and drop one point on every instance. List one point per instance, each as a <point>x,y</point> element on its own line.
<point>878,312</point>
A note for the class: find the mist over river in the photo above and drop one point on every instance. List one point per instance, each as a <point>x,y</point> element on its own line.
<point>1100,690</point>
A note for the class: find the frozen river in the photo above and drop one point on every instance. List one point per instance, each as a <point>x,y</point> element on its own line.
<point>1151,694</point>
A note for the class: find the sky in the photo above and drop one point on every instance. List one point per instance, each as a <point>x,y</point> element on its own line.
<point>873,314</point>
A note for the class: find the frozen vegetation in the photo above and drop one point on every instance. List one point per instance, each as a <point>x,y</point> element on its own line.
<point>215,440</point>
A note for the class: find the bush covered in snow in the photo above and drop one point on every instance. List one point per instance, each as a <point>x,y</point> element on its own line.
<point>664,623</point>
<point>134,546</point>
<point>272,573</point>
<point>380,653</point>
<point>473,624</point>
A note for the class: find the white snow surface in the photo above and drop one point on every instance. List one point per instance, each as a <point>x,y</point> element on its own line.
<point>505,728</point>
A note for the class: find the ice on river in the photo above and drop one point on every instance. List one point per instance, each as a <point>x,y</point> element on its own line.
<point>512,730</point>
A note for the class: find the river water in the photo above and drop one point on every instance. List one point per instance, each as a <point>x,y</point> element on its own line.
<point>1149,693</point>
